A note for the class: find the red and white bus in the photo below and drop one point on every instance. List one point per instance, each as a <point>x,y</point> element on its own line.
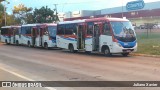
<point>10,34</point>
<point>26,34</point>
<point>44,35</point>
<point>39,35</point>
<point>104,35</point>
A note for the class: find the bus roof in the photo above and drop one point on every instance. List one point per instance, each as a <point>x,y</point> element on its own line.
<point>117,19</point>
<point>50,24</point>
<point>74,21</point>
<point>30,25</point>
<point>6,27</point>
<point>94,19</point>
<point>10,26</point>
<point>106,19</point>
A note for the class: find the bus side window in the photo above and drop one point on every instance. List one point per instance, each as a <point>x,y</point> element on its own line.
<point>24,30</point>
<point>69,29</point>
<point>28,30</point>
<point>89,29</point>
<point>60,29</point>
<point>74,29</point>
<point>106,29</point>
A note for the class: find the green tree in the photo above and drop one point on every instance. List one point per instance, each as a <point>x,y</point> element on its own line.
<point>43,15</point>
<point>2,0</point>
<point>29,17</point>
<point>11,20</point>
<point>21,12</point>
<point>1,14</point>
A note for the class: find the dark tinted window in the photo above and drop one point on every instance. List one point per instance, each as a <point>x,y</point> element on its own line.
<point>16,31</point>
<point>69,29</point>
<point>106,29</point>
<point>90,28</point>
<point>4,31</point>
<point>26,30</point>
<point>60,29</point>
<point>75,28</point>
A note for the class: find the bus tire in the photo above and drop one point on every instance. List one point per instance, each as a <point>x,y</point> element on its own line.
<point>106,51</point>
<point>6,42</point>
<point>29,44</point>
<point>71,49</point>
<point>46,46</point>
<point>17,43</point>
<point>125,54</point>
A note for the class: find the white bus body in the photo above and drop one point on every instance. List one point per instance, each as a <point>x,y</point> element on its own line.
<point>105,35</point>
<point>10,34</point>
<point>26,34</point>
<point>45,35</point>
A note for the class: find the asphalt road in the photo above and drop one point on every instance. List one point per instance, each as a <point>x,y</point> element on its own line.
<point>21,63</point>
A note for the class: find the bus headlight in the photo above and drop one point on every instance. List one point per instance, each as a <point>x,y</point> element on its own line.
<point>119,44</point>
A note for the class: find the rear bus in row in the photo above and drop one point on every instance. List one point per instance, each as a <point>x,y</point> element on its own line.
<point>10,34</point>
<point>32,35</point>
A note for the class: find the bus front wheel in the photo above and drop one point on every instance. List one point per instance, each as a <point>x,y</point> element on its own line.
<point>6,42</point>
<point>29,44</point>
<point>106,51</point>
<point>71,49</point>
<point>17,43</point>
<point>46,46</point>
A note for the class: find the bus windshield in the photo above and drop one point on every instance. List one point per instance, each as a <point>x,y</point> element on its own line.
<point>52,31</point>
<point>123,31</point>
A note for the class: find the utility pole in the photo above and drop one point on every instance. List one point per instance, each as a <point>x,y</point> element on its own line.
<point>122,8</point>
<point>56,18</point>
<point>5,13</point>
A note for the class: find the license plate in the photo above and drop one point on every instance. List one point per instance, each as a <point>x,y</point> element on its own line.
<point>128,51</point>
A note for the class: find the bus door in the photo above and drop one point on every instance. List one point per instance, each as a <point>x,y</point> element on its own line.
<point>81,37</point>
<point>96,34</point>
<point>9,35</point>
<point>41,33</point>
<point>14,35</point>
<point>34,35</point>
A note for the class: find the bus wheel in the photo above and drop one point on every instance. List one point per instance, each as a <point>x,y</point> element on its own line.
<point>125,54</point>
<point>107,52</point>
<point>29,44</point>
<point>71,49</point>
<point>17,43</point>
<point>6,42</point>
<point>46,46</point>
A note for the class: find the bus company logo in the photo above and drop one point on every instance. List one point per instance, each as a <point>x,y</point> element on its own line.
<point>135,5</point>
<point>6,84</point>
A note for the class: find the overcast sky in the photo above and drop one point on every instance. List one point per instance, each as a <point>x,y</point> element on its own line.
<point>71,5</point>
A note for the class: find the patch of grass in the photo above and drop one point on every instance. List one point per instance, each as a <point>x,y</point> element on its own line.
<point>150,44</point>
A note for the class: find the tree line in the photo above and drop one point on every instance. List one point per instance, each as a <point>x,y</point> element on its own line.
<point>27,15</point>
